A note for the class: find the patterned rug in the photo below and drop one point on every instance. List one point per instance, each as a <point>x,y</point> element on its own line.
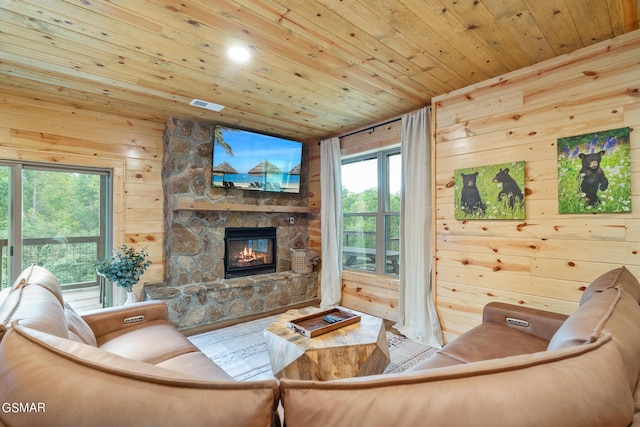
<point>242,352</point>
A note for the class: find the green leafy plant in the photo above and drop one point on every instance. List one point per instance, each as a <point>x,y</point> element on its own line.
<point>125,266</point>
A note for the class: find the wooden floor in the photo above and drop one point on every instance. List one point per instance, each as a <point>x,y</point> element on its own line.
<point>83,300</point>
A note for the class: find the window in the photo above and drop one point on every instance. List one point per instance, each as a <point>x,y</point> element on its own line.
<point>57,218</point>
<point>371,212</point>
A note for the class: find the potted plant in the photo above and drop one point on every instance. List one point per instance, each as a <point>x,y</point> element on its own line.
<point>124,268</point>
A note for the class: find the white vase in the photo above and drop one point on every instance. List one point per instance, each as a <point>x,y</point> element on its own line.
<point>131,298</point>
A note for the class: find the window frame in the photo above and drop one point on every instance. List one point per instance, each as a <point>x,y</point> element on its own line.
<point>383,211</point>
<point>16,236</point>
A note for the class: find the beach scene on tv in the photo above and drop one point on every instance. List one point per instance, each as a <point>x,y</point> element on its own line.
<point>253,161</point>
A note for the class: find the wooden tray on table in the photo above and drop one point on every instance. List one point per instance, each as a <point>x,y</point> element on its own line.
<point>315,324</point>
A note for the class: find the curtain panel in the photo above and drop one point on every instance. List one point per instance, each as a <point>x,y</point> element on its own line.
<point>331,226</point>
<point>417,317</point>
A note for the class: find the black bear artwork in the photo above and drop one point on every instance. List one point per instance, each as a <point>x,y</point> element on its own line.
<point>470,201</point>
<point>592,177</point>
<point>510,189</point>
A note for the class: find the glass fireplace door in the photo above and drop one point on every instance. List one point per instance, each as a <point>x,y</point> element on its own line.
<point>249,251</point>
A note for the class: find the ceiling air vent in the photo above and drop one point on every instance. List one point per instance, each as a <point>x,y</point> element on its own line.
<point>207,105</point>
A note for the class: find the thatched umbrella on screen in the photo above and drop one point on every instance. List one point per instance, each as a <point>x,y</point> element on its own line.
<point>295,170</point>
<point>223,169</point>
<point>292,185</point>
<point>263,169</point>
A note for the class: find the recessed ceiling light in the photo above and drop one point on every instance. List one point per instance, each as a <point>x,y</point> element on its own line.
<point>239,53</point>
<point>207,105</point>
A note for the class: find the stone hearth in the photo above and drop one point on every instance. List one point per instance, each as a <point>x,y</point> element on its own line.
<point>194,287</point>
<point>208,303</point>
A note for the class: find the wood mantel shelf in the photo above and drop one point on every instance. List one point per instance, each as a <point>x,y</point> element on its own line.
<point>237,207</point>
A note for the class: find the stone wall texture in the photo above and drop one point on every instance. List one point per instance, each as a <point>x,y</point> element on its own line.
<point>194,242</point>
<point>207,303</point>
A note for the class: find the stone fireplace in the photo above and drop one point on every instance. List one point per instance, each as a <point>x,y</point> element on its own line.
<point>196,287</point>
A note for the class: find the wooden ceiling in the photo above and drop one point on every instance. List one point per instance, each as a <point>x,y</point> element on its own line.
<point>319,67</point>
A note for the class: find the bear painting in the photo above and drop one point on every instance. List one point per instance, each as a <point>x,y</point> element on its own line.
<point>510,192</point>
<point>593,177</point>
<point>594,172</point>
<point>476,195</point>
<point>470,201</point>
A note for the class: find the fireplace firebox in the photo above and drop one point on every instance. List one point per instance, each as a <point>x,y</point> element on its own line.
<point>249,251</point>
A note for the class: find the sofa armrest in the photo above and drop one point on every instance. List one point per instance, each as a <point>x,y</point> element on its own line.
<point>109,320</point>
<point>540,323</point>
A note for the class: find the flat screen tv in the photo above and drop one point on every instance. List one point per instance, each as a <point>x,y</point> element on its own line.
<point>252,161</point>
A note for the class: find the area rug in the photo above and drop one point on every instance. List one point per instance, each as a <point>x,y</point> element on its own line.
<point>242,351</point>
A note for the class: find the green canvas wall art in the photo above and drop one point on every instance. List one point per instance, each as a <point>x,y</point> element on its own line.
<point>594,172</point>
<point>490,192</point>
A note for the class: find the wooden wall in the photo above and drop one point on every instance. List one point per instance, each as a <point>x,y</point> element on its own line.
<point>32,131</point>
<point>546,260</point>
<point>543,261</point>
<point>315,236</point>
<point>315,240</point>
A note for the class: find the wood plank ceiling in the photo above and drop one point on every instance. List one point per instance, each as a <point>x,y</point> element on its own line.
<point>318,67</point>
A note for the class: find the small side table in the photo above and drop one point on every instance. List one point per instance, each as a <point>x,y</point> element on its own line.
<point>354,350</point>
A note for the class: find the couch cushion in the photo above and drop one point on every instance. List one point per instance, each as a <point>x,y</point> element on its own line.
<point>607,309</point>
<point>36,275</point>
<point>585,325</point>
<point>154,343</point>
<point>437,360</point>
<point>624,325</point>
<point>198,365</point>
<point>489,340</point>
<point>78,329</point>
<point>617,277</point>
<point>34,307</point>
<point>492,341</point>
<point>35,300</point>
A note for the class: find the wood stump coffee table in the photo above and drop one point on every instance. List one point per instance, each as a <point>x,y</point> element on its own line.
<point>354,350</point>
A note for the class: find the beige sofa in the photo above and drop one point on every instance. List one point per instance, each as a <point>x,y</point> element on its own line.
<point>578,371</point>
<point>129,366</point>
<point>125,366</point>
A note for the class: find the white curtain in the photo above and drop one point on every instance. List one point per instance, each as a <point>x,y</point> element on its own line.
<point>331,228</point>
<point>417,317</point>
